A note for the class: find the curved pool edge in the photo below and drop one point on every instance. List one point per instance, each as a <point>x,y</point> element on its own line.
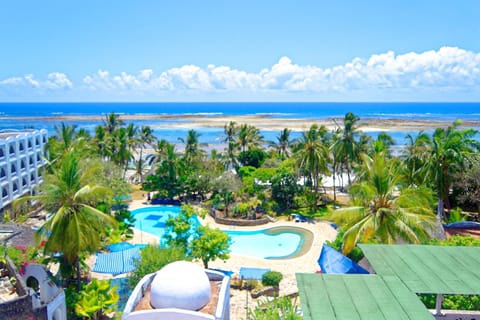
<point>307,238</point>
<point>306,241</point>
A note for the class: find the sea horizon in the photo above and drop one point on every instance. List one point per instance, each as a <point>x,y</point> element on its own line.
<point>43,115</point>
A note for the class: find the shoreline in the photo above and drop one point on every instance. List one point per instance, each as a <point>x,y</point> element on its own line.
<point>268,122</point>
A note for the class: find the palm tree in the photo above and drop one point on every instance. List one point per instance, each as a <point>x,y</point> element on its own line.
<point>192,145</point>
<point>145,138</point>
<point>383,212</point>
<point>383,143</point>
<point>414,156</point>
<point>312,157</point>
<point>347,146</point>
<point>282,146</point>
<point>448,153</point>
<point>248,137</point>
<point>112,122</point>
<point>76,226</point>
<point>65,135</point>
<point>101,140</point>
<point>121,153</point>
<point>230,158</point>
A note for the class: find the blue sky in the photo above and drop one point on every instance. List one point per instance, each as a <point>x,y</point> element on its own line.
<point>126,50</point>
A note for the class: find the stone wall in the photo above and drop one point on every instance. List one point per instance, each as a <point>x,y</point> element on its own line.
<point>241,222</point>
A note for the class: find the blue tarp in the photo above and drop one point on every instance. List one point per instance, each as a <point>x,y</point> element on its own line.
<point>117,262</point>
<point>253,273</point>
<point>333,262</point>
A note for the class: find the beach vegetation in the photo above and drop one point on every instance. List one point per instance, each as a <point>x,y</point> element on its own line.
<point>248,137</point>
<point>284,190</point>
<point>346,146</point>
<point>466,186</point>
<point>76,226</point>
<point>225,186</point>
<point>96,299</point>
<point>282,146</point>
<point>209,244</point>
<point>312,159</point>
<point>179,228</point>
<point>230,153</point>
<point>449,151</point>
<point>252,157</point>
<point>382,211</point>
<point>280,308</point>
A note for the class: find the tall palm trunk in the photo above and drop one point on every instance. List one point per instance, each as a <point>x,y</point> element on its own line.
<point>79,280</point>
<point>334,187</point>
<point>140,171</point>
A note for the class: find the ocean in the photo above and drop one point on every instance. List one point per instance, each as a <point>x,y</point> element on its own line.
<point>25,115</point>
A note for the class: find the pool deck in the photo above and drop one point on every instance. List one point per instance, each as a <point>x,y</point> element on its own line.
<point>306,263</point>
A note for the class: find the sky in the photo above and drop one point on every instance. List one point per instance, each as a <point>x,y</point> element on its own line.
<point>179,50</point>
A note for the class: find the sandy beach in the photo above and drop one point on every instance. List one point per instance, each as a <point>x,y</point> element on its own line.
<point>261,121</point>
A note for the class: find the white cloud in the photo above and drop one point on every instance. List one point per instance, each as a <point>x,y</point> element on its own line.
<point>446,69</point>
<point>54,81</point>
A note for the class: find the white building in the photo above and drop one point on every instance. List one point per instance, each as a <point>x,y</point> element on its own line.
<point>183,291</point>
<point>21,158</point>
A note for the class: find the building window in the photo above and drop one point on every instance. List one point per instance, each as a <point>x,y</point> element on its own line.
<point>2,153</point>
<point>15,187</point>
<point>21,146</point>
<point>4,192</point>
<point>30,161</point>
<point>13,168</point>
<point>29,144</point>
<point>12,149</point>
<point>24,182</point>
<point>38,157</point>
<point>44,139</point>
<point>32,177</point>
<point>3,174</point>
<point>23,165</point>
<point>37,141</point>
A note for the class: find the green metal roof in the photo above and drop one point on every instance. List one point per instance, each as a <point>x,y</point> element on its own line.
<point>428,269</point>
<point>351,296</point>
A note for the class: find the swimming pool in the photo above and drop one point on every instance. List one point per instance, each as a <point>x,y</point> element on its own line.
<point>153,219</point>
<point>272,243</point>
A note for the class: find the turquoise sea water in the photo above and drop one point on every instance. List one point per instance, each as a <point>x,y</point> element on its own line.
<point>258,244</point>
<point>21,115</point>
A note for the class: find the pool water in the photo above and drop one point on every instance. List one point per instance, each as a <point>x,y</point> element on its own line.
<point>153,219</point>
<point>273,243</point>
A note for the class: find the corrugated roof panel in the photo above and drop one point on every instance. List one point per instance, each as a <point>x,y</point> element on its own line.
<point>428,269</point>
<point>366,297</point>
<point>340,298</point>
<point>320,301</point>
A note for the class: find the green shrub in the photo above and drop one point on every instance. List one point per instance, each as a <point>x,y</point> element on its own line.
<point>452,302</point>
<point>456,215</point>
<point>272,278</point>
<point>356,254</point>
